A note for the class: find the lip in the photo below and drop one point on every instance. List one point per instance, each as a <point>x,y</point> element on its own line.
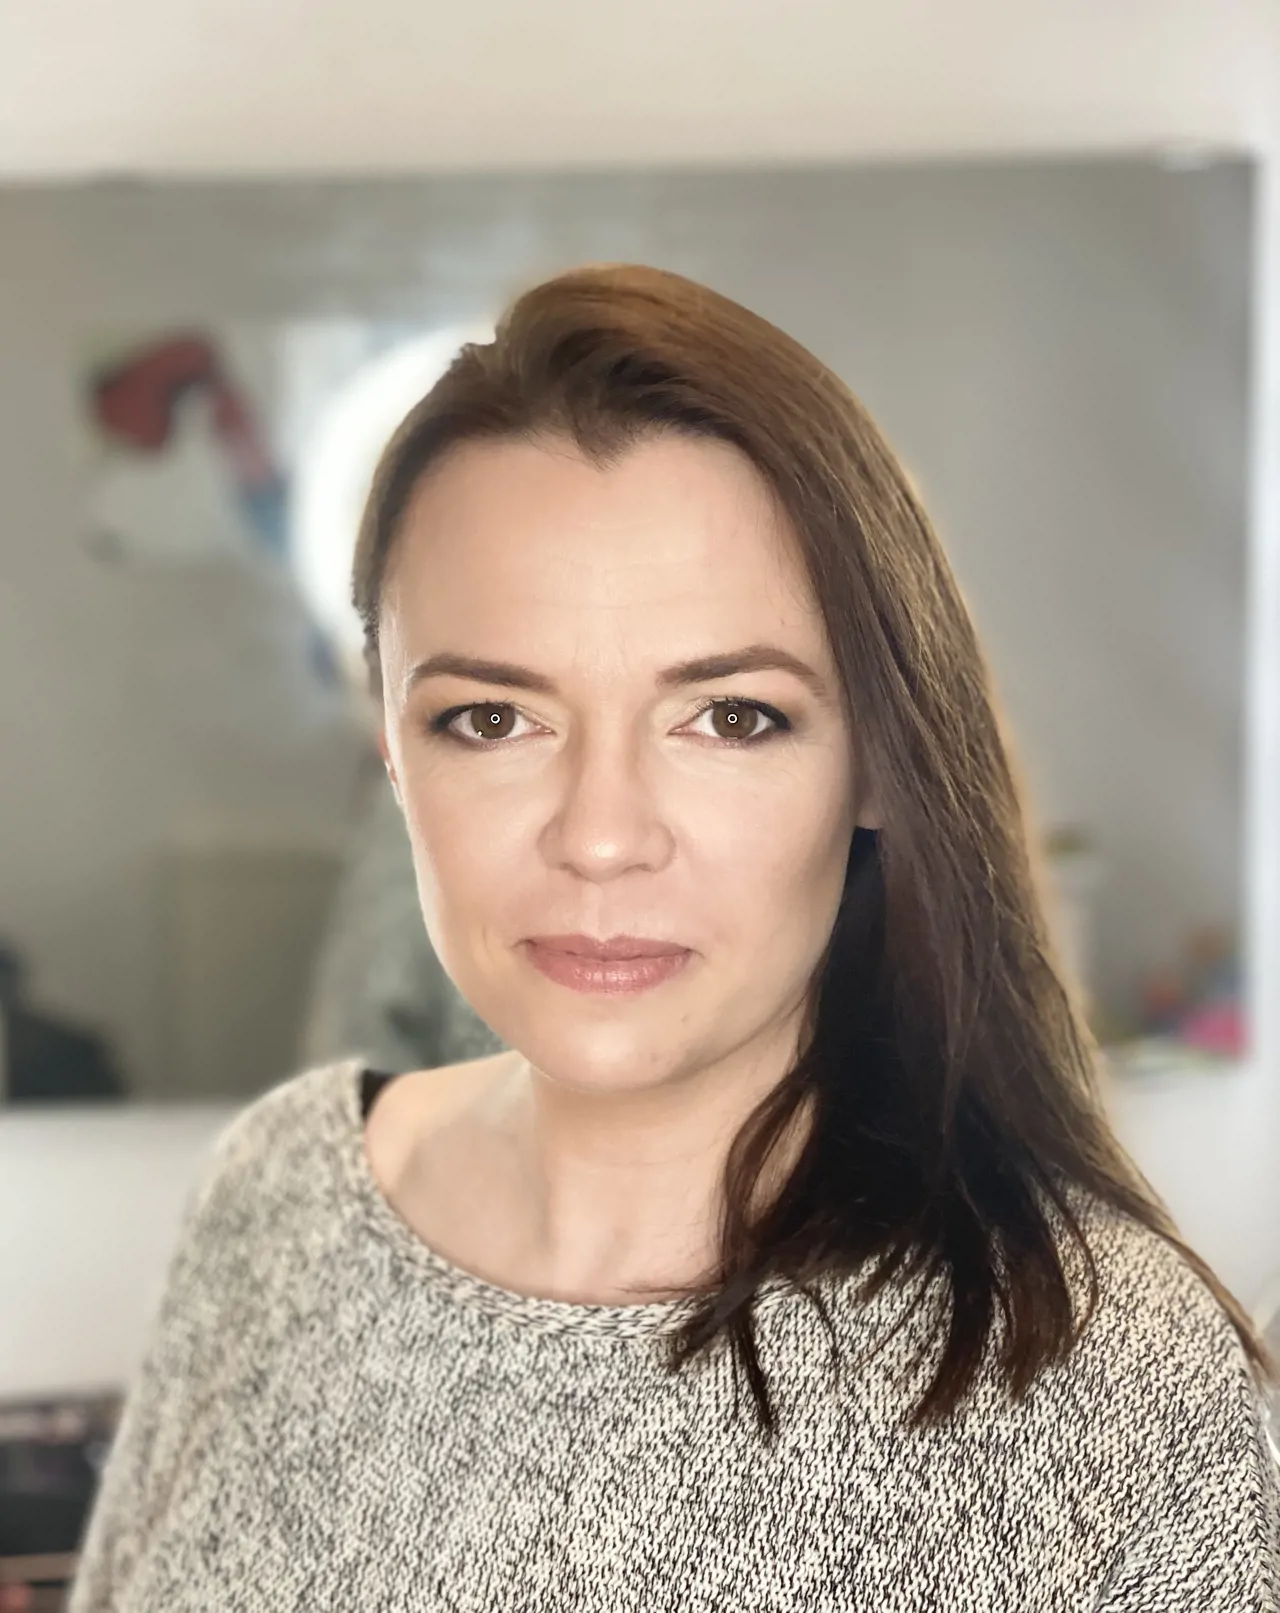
<point>617,977</point>
<point>617,948</point>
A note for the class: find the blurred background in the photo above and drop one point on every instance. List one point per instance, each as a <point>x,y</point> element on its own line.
<point>236,243</point>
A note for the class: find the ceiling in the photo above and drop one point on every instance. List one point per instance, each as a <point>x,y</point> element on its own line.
<point>333,85</point>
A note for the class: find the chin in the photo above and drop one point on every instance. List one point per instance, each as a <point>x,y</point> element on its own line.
<point>604,1059</point>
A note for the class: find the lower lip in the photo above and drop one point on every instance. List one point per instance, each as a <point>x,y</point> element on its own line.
<point>619,976</point>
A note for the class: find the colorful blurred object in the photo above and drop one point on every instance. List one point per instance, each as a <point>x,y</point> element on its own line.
<point>136,402</point>
<point>1218,1028</point>
<point>1198,1002</point>
<point>190,476</point>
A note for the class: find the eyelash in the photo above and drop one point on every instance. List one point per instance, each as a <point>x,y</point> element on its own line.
<point>782,724</point>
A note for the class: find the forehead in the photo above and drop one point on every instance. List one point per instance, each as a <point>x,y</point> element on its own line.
<point>674,525</point>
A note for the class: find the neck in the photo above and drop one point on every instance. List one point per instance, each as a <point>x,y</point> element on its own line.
<point>617,1193</point>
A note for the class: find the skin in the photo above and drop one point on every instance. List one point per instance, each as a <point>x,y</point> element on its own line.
<point>584,1164</point>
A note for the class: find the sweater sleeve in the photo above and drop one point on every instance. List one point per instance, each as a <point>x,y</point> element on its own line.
<point>1211,1536</point>
<point>194,1311</point>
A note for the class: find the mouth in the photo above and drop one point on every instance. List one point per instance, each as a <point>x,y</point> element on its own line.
<point>616,949</point>
<point>614,976</point>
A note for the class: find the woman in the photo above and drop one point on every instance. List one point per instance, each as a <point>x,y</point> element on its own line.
<point>791,1264</point>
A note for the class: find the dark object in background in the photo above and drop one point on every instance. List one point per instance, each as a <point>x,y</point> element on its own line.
<point>43,1059</point>
<point>51,1457</point>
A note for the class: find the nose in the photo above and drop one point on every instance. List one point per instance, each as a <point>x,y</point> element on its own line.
<point>607,818</point>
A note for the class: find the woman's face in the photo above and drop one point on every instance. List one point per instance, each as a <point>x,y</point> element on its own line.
<point>611,802</point>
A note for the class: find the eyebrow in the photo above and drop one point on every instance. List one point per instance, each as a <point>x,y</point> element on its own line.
<point>702,669</point>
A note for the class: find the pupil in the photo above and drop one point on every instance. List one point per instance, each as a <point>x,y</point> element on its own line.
<point>731,716</point>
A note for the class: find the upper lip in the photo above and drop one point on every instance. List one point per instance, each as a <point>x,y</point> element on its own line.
<point>617,946</point>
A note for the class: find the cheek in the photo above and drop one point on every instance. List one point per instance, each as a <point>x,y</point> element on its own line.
<point>455,837</point>
<point>472,852</point>
<point>778,867</point>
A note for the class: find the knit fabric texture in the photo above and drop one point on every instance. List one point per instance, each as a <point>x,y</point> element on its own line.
<point>330,1415</point>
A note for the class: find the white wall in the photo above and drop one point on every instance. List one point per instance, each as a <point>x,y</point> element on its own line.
<point>313,85</point>
<point>88,1209</point>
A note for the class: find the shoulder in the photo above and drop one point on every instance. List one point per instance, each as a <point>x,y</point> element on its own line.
<point>293,1149</point>
<point>416,1106</point>
<point>1160,1356</point>
<point>1150,1293</point>
<point>1156,1357</point>
<point>1167,1395</point>
<point>268,1203</point>
<point>278,1158</point>
<point>288,1117</point>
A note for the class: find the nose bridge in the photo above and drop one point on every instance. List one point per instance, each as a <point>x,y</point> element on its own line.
<point>606,813</point>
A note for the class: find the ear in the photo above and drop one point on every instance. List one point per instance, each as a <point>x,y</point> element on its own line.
<point>385,753</point>
<point>869,815</point>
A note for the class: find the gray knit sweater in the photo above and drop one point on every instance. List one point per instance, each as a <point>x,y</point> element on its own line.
<point>331,1416</point>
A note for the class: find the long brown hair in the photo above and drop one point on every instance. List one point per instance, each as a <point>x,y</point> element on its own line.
<point>950,1073</point>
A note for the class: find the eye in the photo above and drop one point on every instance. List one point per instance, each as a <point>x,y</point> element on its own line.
<point>735,719</point>
<point>486,728</point>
